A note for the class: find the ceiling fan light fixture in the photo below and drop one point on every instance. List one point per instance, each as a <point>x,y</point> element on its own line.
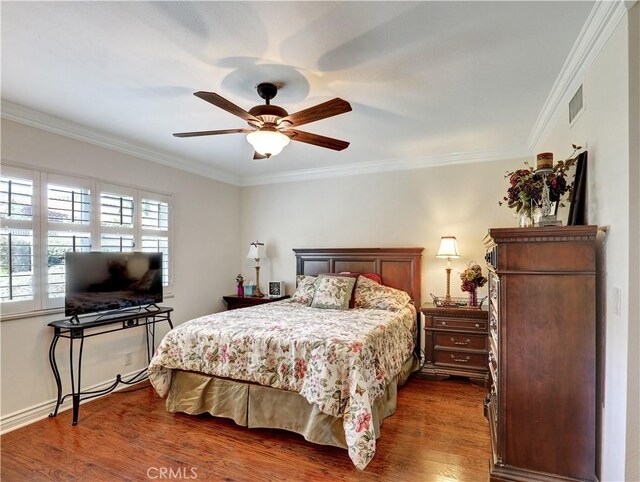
<point>271,127</point>
<point>268,141</point>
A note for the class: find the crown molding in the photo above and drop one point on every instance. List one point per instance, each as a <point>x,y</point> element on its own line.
<point>372,167</point>
<point>602,20</point>
<point>57,125</point>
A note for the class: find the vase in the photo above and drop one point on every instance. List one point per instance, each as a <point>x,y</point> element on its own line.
<point>473,298</point>
<point>524,219</point>
<point>240,290</point>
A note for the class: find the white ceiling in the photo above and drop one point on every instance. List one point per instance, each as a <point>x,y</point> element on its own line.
<point>426,80</point>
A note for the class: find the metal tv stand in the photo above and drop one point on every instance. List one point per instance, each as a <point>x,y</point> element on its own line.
<point>74,329</point>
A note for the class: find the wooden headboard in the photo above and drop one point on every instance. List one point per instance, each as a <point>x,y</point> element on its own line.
<point>398,267</point>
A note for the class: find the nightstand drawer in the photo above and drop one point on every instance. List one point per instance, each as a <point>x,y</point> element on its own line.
<point>460,323</point>
<point>461,359</point>
<point>456,343</point>
<point>460,340</point>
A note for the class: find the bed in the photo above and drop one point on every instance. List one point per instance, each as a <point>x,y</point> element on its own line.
<point>330,375</point>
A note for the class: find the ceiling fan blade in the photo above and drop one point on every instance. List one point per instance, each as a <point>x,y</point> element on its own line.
<point>211,133</point>
<point>316,140</point>
<point>257,155</point>
<point>224,104</point>
<point>321,111</point>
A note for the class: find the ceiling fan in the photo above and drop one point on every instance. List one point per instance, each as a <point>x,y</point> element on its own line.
<point>272,127</point>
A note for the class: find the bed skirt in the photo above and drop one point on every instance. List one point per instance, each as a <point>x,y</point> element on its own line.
<point>256,406</point>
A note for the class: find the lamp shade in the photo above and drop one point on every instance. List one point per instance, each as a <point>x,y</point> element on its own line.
<point>256,251</point>
<point>448,248</point>
<point>268,142</point>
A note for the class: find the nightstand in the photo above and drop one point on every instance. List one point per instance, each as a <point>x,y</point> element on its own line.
<point>234,301</point>
<point>456,343</point>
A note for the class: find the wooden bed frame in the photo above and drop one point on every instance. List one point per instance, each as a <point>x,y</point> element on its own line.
<point>399,268</point>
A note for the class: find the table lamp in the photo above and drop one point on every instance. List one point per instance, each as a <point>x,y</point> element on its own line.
<point>448,249</point>
<point>256,251</point>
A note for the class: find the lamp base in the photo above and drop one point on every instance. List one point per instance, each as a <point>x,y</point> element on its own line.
<point>257,293</point>
<point>448,301</point>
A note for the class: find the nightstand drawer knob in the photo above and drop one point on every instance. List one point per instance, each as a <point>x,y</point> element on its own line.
<point>477,325</point>
<point>463,343</point>
<point>444,323</point>
<point>460,360</point>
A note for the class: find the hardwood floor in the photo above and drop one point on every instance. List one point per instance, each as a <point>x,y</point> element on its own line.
<point>437,434</point>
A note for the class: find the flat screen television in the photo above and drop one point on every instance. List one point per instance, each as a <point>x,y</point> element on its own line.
<point>99,281</point>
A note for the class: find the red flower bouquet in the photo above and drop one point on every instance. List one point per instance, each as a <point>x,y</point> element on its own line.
<point>472,278</point>
<point>525,186</point>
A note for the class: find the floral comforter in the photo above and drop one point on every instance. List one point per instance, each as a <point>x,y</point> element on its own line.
<point>340,360</point>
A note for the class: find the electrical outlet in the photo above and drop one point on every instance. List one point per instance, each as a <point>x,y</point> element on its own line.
<point>128,359</point>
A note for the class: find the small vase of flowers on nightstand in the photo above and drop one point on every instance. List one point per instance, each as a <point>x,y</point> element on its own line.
<point>472,279</point>
<point>240,284</point>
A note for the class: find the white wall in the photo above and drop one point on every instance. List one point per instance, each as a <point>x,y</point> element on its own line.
<point>632,469</point>
<point>412,208</point>
<point>604,129</point>
<point>205,252</point>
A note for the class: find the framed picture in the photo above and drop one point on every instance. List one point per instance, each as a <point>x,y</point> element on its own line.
<point>578,198</point>
<point>276,289</point>
<point>572,210</point>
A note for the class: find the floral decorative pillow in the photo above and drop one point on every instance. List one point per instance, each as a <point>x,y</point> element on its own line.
<point>370,294</point>
<point>348,274</point>
<point>305,288</point>
<point>333,292</point>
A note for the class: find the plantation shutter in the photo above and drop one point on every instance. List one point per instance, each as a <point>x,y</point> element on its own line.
<point>117,219</point>
<point>154,230</point>
<point>69,228</point>
<point>17,261</point>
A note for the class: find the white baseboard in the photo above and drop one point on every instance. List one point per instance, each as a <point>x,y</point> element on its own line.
<point>29,415</point>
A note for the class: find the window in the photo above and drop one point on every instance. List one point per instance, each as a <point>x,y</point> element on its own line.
<point>155,214</point>
<point>16,265</point>
<point>68,227</point>
<point>155,244</point>
<point>116,242</point>
<point>67,204</point>
<point>116,210</point>
<point>117,214</point>
<point>73,214</point>
<point>154,221</point>
<point>58,243</point>
<point>17,260</point>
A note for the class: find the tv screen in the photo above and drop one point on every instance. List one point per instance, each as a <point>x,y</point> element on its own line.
<point>111,281</point>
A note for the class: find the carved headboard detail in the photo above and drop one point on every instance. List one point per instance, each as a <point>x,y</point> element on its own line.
<point>398,267</point>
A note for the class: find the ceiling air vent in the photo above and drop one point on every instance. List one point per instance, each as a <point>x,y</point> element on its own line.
<point>576,105</point>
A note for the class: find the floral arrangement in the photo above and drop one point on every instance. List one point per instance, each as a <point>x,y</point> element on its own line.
<point>239,280</point>
<point>472,278</point>
<point>526,186</point>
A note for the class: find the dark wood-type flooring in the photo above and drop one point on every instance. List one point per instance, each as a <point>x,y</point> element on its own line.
<point>437,434</point>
